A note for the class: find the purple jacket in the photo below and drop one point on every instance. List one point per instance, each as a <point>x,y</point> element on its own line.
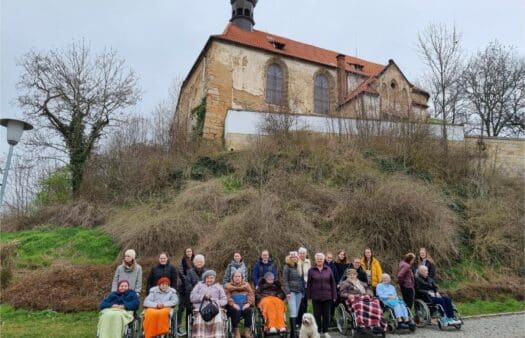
<point>321,284</point>
<point>405,276</point>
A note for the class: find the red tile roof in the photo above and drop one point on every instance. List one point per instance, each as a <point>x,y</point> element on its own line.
<point>267,41</point>
<point>364,87</point>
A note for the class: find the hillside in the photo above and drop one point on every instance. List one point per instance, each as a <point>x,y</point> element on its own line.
<point>391,194</point>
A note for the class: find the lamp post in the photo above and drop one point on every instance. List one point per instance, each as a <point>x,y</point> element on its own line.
<point>15,128</point>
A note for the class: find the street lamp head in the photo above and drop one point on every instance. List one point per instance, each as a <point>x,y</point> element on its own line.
<point>14,129</point>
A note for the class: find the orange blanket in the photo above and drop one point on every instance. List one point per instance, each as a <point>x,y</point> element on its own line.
<point>273,310</point>
<point>156,322</point>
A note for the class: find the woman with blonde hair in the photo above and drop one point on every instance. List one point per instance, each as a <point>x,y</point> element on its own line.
<point>130,271</point>
<point>425,259</point>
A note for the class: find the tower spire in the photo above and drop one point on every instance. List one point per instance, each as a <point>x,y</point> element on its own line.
<point>242,13</point>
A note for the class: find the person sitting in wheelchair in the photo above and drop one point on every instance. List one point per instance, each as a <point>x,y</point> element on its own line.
<point>360,301</point>
<point>270,300</point>
<point>240,299</point>
<point>387,293</point>
<point>159,308</point>
<point>117,311</point>
<point>427,290</point>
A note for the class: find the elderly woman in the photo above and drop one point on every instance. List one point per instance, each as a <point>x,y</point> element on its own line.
<point>240,297</point>
<point>159,308</point>
<point>235,265</point>
<point>130,271</point>
<point>117,311</point>
<point>321,289</point>
<point>388,295</point>
<point>293,285</point>
<point>358,297</point>
<point>204,292</point>
<point>427,290</point>
<point>270,300</point>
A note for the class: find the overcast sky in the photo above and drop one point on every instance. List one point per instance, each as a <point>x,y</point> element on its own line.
<point>161,39</point>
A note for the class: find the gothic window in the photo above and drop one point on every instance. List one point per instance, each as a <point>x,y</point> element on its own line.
<point>274,84</point>
<point>321,94</point>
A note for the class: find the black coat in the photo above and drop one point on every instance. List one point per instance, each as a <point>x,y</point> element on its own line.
<point>192,278</point>
<point>167,270</point>
<point>423,286</point>
<point>266,289</point>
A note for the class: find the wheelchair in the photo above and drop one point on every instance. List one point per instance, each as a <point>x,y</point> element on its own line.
<point>347,323</point>
<point>390,317</point>
<point>173,325</point>
<point>260,324</point>
<point>131,329</point>
<point>426,312</point>
<point>229,328</point>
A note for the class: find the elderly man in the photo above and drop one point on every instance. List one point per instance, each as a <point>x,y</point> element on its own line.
<point>427,290</point>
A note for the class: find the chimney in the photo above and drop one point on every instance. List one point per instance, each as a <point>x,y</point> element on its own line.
<point>242,14</point>
<point>342,84</point>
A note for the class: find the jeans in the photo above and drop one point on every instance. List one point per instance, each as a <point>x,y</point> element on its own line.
<point>294,302</point>
<point>446,303</point>
<point>322,309</point>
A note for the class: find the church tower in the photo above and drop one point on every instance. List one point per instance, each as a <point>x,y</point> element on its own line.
<point>242,13</point>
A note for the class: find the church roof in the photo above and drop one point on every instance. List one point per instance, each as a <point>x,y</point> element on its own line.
<point>281,45</point>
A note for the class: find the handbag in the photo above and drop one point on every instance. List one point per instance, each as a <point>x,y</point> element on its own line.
<point>209,311</point>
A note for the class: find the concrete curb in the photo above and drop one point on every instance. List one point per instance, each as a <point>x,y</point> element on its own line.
<point>494,315</point>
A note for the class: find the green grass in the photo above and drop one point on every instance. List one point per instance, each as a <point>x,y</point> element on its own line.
<point>40,247</point>
<point>480,307</point>
<point>28,324</point>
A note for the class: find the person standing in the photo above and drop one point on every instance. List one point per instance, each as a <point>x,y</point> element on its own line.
<point>130,271</point>
<point>322,290</point>
<point>372,267</point>
<point>235,265</point>
<point>341,264</point>
<point>293,286</point>
<point>186,263</point>
<point>406,280</point>
<point>264,264</point>
<point>163,269</point>
<point>425,259</point>
<point>304,265</point>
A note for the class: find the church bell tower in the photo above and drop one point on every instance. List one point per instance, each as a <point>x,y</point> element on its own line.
<point>242,13</point>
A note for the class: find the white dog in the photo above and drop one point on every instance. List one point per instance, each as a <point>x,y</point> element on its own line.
<point>309,327</point>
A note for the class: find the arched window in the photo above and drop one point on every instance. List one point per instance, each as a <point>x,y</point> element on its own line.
<point>274,84</point>
<point>321,94</point>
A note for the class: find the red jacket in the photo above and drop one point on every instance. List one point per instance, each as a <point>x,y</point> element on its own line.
<point>405,276</point>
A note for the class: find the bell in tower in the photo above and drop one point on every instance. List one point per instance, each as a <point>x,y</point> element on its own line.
<point>242,13</point>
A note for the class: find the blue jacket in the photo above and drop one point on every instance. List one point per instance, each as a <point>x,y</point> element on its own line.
<point>129,299</point>
<point>260,268</point>
<point>332,267</point>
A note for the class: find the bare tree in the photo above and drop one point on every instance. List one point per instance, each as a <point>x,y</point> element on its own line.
<point>494,84</point>
<point>75,96</point>
<point>440,50</point>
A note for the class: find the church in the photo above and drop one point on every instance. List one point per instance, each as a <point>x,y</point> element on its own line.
<point>243,74</point>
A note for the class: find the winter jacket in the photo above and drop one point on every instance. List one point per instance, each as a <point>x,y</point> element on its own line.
<point>332,267</point>
<point>424,286</point>
<point>431,267</point>
<point>405,276</point>
<point>292,279</point>
<point>129,299</point>
<point>192,278</point>
<point>233,267</point>
<point>242,289</point>
<point>321,284</point>
<point>267,289</point>
<point>156,296</point>
<point>340,270</point>
<point>132,275</point>
<point>347,288</point>
<point>361,275</point>
<point>376,271</point>
<point>166,270</point>
<point>215,291</point>
<point>184,267</point>
<point>260,268</point>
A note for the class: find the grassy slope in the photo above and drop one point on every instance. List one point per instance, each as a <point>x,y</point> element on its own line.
<point>40,247</point>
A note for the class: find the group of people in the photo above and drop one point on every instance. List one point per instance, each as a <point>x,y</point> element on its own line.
<point>359,283</point>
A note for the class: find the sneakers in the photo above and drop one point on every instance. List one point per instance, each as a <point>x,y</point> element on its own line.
<point>181,332</point>
<point>282,329</point>
<point>444,321</point>
<point>454,322</point>
<point>326,335</point>
<point>272,330</point>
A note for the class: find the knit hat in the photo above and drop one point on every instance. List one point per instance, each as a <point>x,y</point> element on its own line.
<point>164,280</point>
<point>131,253</point>
<point>269,274</point>
<point>208,273</point>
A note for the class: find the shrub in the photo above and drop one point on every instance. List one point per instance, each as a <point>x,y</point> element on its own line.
<point>56,188</point>
<point>8,251</point>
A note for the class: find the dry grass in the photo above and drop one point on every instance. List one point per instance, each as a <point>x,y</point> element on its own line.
<point>62,287</point>
<point>7,261</point>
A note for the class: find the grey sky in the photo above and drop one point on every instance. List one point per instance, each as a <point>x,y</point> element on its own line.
<point>161,39</point>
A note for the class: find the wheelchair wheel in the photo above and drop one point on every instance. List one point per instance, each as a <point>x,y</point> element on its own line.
<point>457,316</point>
<point>390,318</point>
<point>341,319</point>
<point>189,323</point>
<point>422,313</point>
<point>259,324</point>
<point>228,331</point>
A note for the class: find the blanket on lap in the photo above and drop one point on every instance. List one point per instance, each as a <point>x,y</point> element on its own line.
<point>367,311</point>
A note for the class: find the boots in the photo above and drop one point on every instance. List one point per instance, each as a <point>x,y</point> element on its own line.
<point>247,333</point>
<point>293,323</point>
<point>236,333</point>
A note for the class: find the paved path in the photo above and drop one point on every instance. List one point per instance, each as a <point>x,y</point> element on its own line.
<point>497,326</point>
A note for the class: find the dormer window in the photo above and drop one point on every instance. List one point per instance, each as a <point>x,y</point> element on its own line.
<point>278,45</point>
<point>356,66</point>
